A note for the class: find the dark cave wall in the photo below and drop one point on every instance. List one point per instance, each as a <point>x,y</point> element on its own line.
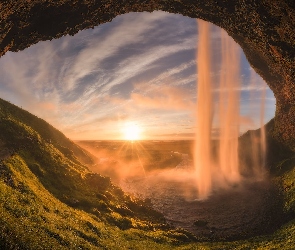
<point>263,28</point>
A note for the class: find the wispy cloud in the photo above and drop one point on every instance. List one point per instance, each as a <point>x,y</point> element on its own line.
<point>164,98</point>
<point>139,66</point>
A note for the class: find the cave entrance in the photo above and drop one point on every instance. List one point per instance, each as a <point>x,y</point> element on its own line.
<point>93,84</point>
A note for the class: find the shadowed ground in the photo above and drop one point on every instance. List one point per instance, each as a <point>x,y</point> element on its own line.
<point>250,209</point>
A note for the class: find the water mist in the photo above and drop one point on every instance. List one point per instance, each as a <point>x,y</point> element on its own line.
<point>225,169</point>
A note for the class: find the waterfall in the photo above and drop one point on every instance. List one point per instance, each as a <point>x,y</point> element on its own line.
<point>226,168</point>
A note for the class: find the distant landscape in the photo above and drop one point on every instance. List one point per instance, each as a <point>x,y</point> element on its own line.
<point>136,157</point>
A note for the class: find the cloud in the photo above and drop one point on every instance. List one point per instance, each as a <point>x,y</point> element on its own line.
<point>138,66</point>
<point>175,136</point>
<point>246,121</point>
<point>124,34</point>
<point>164,98</point>
<point>48,106</point>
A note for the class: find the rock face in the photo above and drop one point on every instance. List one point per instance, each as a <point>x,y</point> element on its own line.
<point>264,29</point>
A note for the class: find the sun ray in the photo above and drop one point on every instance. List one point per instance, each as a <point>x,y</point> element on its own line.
<point>141,165</point>
<point>143,148</point>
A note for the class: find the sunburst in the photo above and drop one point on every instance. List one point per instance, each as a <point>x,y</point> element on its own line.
<point>131,132</point>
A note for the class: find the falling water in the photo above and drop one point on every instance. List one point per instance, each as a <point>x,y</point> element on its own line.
<point>202,159</point>
<point>258,140</point>
<point>229,110</point>
<point>262,138</point>
<point>226,168</point>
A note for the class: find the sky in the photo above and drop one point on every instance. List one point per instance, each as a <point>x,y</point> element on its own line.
<point>138,69</point>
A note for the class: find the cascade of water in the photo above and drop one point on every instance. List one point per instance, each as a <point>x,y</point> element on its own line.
<point>258,140</point>
<point>202,159</point>
<point>229,109</point>
<point>262,134</point>
<point>228,114</point>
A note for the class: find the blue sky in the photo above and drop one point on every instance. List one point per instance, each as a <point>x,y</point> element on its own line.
<point>139,68</point>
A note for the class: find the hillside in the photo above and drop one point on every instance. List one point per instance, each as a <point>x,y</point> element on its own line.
<point>41,175</point>
<point>47,132</point>
<point>50,200</point>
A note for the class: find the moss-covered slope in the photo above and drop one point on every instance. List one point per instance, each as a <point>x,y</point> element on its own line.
<point>13,116</point>
<point>40,173</point>
<point>49,156</point>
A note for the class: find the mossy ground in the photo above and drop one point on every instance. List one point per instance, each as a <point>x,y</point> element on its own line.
<point>49,200</point>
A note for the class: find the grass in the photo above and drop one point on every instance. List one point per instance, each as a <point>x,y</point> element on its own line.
<point>32,218</point>
<point>50,200</point>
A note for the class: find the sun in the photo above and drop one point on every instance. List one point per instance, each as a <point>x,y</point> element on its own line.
<point>131,132</point>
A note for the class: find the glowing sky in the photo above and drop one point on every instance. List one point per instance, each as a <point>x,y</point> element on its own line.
<point>139,68</point>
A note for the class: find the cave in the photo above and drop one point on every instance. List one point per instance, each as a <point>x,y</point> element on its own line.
<point>263,29</point>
